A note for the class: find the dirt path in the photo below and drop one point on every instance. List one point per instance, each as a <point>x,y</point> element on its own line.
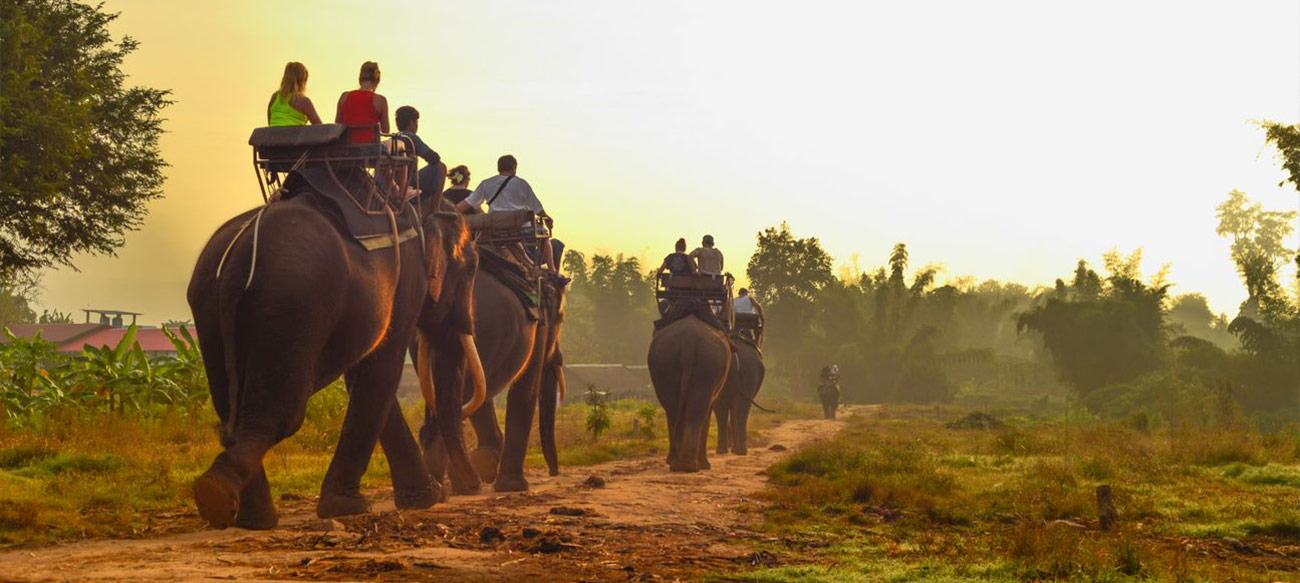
<point>645,524</point>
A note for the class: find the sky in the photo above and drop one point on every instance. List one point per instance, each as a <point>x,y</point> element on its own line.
<point>1001,140</point>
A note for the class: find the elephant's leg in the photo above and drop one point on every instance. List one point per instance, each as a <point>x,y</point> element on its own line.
<point>722,414</point>
<point>670,413</point>
<point>702,450</point>
<point>435,452</point>
<point>521,402</point>
<point>740,427</point>
<point>448,380</point>
<point>272,405</point>
<point>372,384</point>
<point>548,400</point>
<point>256,511</point>
<point>412,485</point>
<point>487,455</point>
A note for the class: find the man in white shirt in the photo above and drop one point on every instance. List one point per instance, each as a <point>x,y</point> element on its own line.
<point>745,304</point>
<point>508,192</point>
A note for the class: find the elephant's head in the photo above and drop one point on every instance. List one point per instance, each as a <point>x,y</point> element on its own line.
<point>446,326</point>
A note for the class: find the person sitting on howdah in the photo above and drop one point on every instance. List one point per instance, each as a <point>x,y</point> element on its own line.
<point>433,173</point>
<point>678,262</point>
<point>749,315</point>
<point>708,258</point>
<point>508,192</point>
<point>289,105</point>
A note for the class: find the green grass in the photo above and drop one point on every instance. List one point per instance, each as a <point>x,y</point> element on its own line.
<point>897,497</point>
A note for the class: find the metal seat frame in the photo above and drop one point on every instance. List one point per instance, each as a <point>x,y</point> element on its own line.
<point>272,170</point>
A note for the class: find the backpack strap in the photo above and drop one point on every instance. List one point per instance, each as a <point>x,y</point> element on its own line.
<point>499,189</point>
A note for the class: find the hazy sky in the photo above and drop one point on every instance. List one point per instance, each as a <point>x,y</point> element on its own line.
<point>1003,140</point>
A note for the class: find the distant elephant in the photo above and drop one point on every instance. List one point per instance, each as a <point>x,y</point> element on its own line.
<point>829,393</point>
<point>316,305</point>
<point>689,361</point>
<point>732,408</point>
<point>519,354</point>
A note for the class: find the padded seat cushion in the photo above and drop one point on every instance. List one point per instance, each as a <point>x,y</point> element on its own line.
<point>498,220</point>
<point>298,136</point>
<point>699,281</point>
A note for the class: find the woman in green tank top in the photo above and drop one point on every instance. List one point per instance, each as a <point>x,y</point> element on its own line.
<point>289,106</point>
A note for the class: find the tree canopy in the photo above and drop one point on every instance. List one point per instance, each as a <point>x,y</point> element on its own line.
<point>79,149</point>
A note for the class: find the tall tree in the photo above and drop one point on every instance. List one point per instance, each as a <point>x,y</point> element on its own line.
<point>79,149</point>
<point>786,273</point>
<point>1286,138</point>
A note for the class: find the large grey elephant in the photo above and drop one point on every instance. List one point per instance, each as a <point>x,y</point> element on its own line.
<point>316,305</point>
<point>732,408</point>
<point>519,354</point>
<point>689,360</point>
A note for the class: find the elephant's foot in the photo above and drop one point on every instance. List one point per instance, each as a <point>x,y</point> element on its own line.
<point>341,504</point>
<point>485,461</point>
<point>555,471</point>
<point>742,450</point>
<point>510,484</point>
<point>465,485</point>
<point>261,518</point>
<point>675,466</point>
<point>419,499</point>
<point>704,464</point>
<point>217,498</point>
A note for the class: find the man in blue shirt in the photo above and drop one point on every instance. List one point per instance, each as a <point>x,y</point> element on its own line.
<point>434,173</point>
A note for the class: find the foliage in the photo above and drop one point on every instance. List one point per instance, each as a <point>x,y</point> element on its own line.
<point>646,417</point>
<point>79,149</point>
<point>898,497</point>
<point>35,376</point>
<point>17,292</point>
<point>786,273</point>
<point>609,307</point>
<point>598,421</point>
<point>1286,138</point>
<point>1102,332</point>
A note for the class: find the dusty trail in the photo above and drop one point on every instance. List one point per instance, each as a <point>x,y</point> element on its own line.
<point>646,524</point>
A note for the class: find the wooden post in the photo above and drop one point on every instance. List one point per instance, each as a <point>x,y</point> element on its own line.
<point>1106,513</point>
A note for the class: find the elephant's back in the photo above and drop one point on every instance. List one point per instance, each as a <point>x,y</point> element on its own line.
<point>688,347</point>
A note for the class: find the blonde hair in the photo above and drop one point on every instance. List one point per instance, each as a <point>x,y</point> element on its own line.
<point>294,80</point>
<point>369,72</point>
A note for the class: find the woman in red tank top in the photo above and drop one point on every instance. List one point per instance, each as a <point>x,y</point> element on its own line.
<point>364,106</point>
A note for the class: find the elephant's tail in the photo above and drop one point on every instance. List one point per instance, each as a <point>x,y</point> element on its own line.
<point>229,294</point>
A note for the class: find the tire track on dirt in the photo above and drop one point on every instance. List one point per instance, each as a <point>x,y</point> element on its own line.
<point>644,524</point>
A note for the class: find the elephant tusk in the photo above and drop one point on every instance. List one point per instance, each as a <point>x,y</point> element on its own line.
<point>424,368</point>
<point>559,378</point>
<point>476,370</point>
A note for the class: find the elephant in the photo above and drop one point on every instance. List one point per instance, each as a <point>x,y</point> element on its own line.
<point>689,361</point>
<point>829,394</point>
<point>310,305</point>
<point>732,408</point>
<point>523,355</point>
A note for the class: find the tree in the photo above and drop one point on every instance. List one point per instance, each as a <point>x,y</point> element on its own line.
<point>1107,336</point>
<point>786,269</point>
<point>1286,138</point>
<point>79,150</point>
<point>16,296</point>
<point>786,273</point>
